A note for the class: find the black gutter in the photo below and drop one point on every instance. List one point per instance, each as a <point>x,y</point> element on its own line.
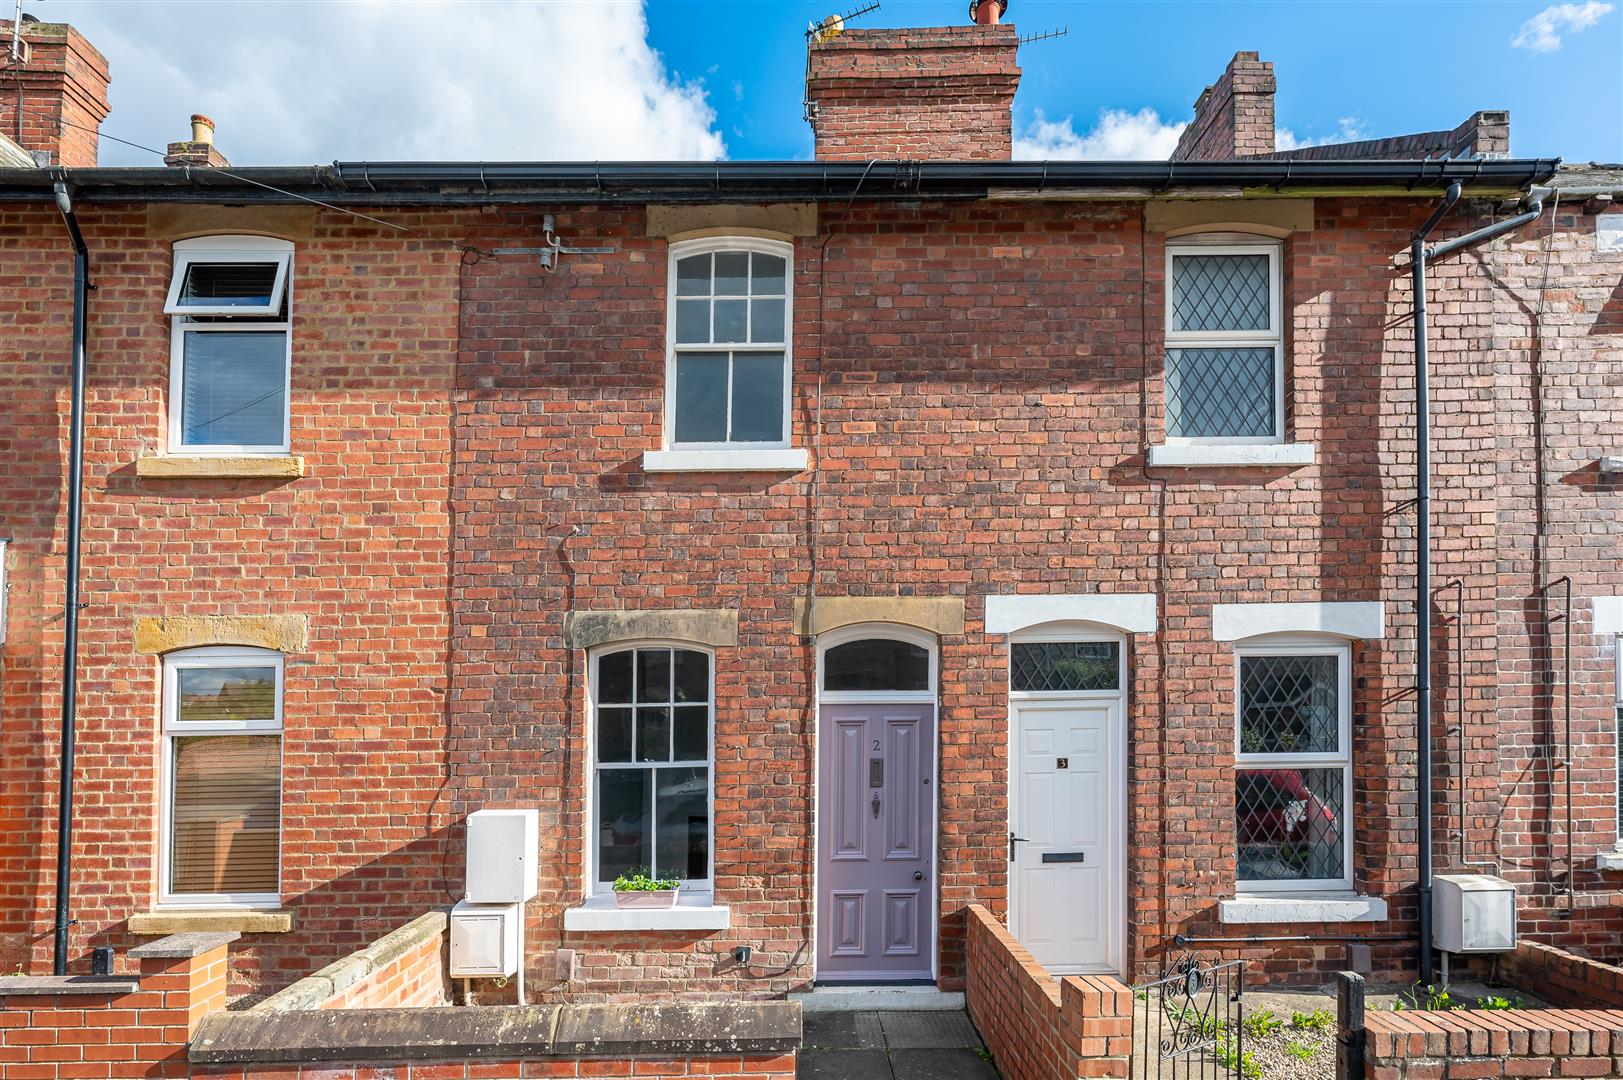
<point>1420,255</point>
<point>474,183</point>
<point>70,600</point>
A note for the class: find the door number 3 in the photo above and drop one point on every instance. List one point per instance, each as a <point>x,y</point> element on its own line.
<point>1062,763</point>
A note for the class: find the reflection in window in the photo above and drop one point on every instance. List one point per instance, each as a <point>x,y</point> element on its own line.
<point>874,664</point>
<point>652,748</point>
<point>1065,666</point>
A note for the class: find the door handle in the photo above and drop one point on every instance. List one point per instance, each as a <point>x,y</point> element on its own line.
<point>1013,840</point>
<point>918,875</point>
<point>876,804</point>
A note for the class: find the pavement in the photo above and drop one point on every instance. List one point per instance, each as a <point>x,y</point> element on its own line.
<point>934,1045</point>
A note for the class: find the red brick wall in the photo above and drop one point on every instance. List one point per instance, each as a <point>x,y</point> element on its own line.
<point>63,83</point>
<point>1560,978</point>
<point>1038,1027</point>
<point>1460,1045</point>
<point>1234,117</point>
<point>987,378</point>
<point>360,546</point>
<point>91,1036</point>
<point>941,93</point>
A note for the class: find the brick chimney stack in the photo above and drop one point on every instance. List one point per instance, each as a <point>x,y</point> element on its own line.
<point>199,149</point>
<point>62,82</point>
<point>1234,117</point>
<point>940,93</point>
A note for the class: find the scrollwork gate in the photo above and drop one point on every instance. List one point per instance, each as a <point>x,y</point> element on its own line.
<point>1186,1024</point>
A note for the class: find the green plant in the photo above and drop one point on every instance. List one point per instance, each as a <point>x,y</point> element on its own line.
<point>1261,1023</point>
<point>984,1054</point>
<point>1494,1002</point>
<point>1230,1057</point>
<point>1301,1051</point>
<point>638,880</point>
<point>1425,999</point>
<point>1317,1020</point>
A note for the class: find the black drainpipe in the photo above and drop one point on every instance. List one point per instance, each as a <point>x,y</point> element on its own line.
<point>1420,255</point>
<point>70,602</point>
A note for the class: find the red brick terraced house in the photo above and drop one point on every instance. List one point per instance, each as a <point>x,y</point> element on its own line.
<point>855,539</point>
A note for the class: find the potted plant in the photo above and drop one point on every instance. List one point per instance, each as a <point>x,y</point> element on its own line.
<point>636,889</point>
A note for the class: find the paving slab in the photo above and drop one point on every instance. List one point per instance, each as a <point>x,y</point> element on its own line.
<point>843,1065</point>
<point>843,1031</point>
<point>940,1064</point>
<point>915,1030</point>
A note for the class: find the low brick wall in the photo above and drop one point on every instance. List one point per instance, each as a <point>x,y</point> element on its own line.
<point>1036,1026</point>
<point>1561,978</point>
<point>733,1068</point>
<point>406,968</point>
<point>740,1039</point>
<point>95,1027</point>
<point>1519,1042</point>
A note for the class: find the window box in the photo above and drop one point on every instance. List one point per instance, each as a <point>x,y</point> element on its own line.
<point>694,911</point>
<point>651,899</point>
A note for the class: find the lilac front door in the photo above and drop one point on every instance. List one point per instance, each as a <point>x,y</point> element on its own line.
<point>875,896</point>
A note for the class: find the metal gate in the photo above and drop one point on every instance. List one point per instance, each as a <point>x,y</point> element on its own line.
<point>1186,1024</point>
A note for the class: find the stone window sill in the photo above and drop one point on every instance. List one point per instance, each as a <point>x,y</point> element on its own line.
<point>693,911</point>
<point>1609,860</point>
<point>1303,908</point>
<point>199,920</point>
<point>210,466</point>
<point>673,461</point>
<point>1237,455</point>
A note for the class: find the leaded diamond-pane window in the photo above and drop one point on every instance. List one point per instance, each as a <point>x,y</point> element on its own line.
<point>1220,292</point>
<point>1065,666</point>
<point>1220,393</point>
<point>1289,824</point>
<point>1223,343</point>
<point>1288,705</point>
<point>1293,768</point>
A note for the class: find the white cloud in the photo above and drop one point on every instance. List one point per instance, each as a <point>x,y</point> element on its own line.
<point>1542,33</point>
<point>1351,130</point>
<point>1118,136</point>
<point>364,80</point>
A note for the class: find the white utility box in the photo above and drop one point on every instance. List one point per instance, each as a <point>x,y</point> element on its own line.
<point>1473,913</point>
<point>502,856</point>
<point>484,940</point>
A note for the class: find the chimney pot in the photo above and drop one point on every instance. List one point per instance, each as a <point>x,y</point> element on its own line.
<point>987,12</point>
<point>202,129</point>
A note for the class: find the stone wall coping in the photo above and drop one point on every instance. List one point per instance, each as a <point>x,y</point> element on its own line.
<point>502,1032</point>
<point>189,944</point>
<point>62,985</point>
<point>314,989</point>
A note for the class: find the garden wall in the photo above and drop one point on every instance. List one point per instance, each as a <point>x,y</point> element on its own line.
<point>406,968</point>
<point>1038,1027</point>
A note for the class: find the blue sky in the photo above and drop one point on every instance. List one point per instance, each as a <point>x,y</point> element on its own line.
<point>1386,68</point>
<point>700,79</point>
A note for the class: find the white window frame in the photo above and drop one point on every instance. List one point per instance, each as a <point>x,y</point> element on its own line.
<point>1286,645</point>
<point>690,886</point>
<point>250,320</point>
<point>1273,337</point>
<point>683,249</point>
<point>1617,735</point>
<point>212,657</point>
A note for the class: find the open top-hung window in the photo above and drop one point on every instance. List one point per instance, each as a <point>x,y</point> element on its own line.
<point>727,377</point>
<point>230,348</point>
<point>1224,355</point>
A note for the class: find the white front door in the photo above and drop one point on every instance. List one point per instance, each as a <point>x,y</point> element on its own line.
<point>1066,815</point>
